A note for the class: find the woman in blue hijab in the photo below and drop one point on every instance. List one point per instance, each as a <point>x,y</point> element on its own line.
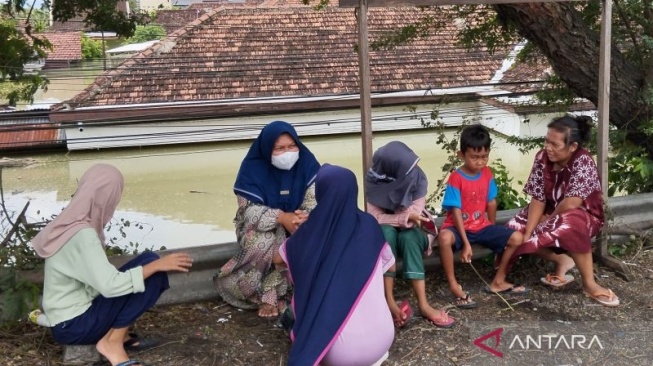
<point>336,261</point>
<point>274,190</point>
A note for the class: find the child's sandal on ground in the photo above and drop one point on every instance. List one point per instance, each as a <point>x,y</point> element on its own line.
<point>612,300</point>
<point>465,302</point>
<point>407,310</point>
<point>131,363</point>
<point>557,281</point>
<point>447,322</point>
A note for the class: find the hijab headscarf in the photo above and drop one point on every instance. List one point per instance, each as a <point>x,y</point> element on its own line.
<point>331,258</point>
<point>92,206</point>
<point>394,181</point>
<point>261,182</point>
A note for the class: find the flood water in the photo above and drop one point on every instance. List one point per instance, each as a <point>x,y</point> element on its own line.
<point>182,195</point>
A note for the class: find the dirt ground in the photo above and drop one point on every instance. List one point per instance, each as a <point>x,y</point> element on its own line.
<point>214,333</point>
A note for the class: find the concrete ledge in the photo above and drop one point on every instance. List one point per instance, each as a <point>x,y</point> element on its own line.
<point>197,285</point>
<point>80,355</point>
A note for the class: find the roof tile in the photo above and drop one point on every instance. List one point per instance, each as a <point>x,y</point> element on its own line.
<point>245,52</point>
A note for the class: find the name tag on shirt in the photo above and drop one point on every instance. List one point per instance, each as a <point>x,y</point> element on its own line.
<point>284,193</point>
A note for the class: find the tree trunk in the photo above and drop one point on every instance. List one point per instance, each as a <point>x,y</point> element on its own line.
<point>573,50</point>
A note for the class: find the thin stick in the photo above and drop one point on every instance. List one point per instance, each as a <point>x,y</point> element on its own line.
<point>488,286</point>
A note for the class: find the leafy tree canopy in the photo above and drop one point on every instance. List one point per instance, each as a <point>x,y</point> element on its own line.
<point>146,33</point>
<point>567,35</point>
<point>18,45</point>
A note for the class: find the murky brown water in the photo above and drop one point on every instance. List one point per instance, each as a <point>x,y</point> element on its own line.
<point>183,194</point>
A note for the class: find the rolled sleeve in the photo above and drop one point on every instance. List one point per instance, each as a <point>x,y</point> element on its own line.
<point>137,279</point>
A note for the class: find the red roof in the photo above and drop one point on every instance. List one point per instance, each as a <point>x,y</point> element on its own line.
<point>289,51</point>
<point>65,46</point>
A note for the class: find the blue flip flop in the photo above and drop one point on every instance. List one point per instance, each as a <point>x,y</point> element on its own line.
<point>131,363</point>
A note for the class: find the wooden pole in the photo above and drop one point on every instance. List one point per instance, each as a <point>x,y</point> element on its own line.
<point>603,130</point>
<point>364,76</point>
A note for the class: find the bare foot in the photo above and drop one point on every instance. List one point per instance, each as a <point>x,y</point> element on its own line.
<point>457,290</point>
<point>439,318</point>
<point>506,288</point>
<point>112,351</point>
<point>563,265</point>
<point>601,294</point>
<point>400,313</point>
<point>267,311</point>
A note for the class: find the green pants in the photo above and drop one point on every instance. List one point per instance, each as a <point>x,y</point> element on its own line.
<point>409,245</point>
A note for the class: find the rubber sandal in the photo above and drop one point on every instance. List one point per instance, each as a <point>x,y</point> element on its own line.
<point>614,300</point>
<point>557,281</point>
<point>131,363</point>
<point>465,302</point>
<point>442,324</point>
<point>405,309</point>
<point>136,343</point>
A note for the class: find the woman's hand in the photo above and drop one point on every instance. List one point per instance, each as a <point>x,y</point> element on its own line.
<point>180,262</point>
<point>417,219</point>
<point>291,220</point>
<point>302,216</point>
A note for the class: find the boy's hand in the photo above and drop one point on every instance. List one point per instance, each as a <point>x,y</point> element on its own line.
<point>466,254</point>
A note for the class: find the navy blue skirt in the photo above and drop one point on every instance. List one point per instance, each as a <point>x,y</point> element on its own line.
<point>113,312</point>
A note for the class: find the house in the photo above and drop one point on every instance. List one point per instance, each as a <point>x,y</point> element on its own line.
<point>21,130</point>
<point>151,5</point>
<point>234,68</point>
<point>78,24</point>
<point>171,20</point>
<point>66,49</point>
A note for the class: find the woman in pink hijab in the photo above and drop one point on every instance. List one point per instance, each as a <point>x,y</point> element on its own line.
<point>85,298</point>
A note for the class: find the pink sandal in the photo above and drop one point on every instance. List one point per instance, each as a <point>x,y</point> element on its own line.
<point>447,323</point>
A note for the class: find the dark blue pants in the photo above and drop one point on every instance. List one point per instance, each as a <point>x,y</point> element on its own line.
<point>113,312</point>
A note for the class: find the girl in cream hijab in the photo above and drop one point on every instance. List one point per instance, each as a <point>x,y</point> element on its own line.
<point>85,298</point>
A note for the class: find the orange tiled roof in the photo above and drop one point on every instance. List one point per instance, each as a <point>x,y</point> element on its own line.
<point>536,69</point>
<point>172,20</point>
<point>66,46</point>
<point>244,53</point>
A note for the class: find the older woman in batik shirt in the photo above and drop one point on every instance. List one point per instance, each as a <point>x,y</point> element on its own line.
<point>275,193</point>
<point>566,207</point>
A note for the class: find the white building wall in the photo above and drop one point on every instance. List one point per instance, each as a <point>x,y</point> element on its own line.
<point>148,5</point>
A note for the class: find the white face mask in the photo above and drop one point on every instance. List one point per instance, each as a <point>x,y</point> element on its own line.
<point>286,160</point>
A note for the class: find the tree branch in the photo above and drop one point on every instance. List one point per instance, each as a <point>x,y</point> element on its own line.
<point>633,36</point>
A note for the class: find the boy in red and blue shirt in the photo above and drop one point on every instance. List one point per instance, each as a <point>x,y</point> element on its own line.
<point>469,199</point>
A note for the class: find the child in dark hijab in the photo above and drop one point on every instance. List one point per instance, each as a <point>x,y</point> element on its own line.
<point>396,190</point>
